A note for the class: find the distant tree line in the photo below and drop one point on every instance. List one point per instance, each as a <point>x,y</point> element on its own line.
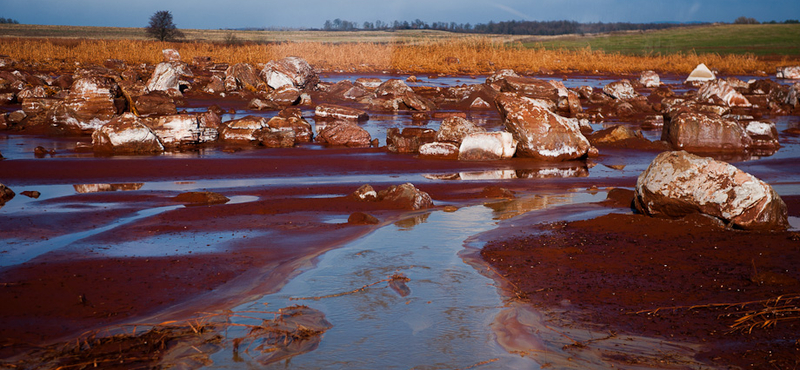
<point>748,20</point>
<point>8,21</point>
<point>515,27</point>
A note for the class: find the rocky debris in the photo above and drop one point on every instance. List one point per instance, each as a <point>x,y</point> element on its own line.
<point>284,96</point>
<point>338,112</point>
<point>167,77</point>
<point>361,218</point>
<point>409,140</point>
<point>439,150</point>
<point>242,76</point>
<point>790,73</point>
<point>41,152</point>
<point>620,90</point>
<point>96,188</point>
<point>277,139</point>
<point>215,85</point>
<point>370,83</point>
<point>677,184</point>
<point>649,79</point>
<point>245,129</point>
<point>701,73</point>
<point>394,87</point>
<point>698,132</point>
<point>614,134</point>
<point>6,194</point>
<point>793,96</point>
<point>126,134</point>
<point>343,133</point>
<point>763,134</point>
<point>454,129</point>
<point>155,103</point>
<point>541,133</point>
<point>91,103</point>
<point>395,95</point>
<point>291,71</point>
<point>406,196</point>
<point>525,86</point>
<point>31,92</point>
<point>722,90</point>
<point>365,193</point>
<point>31,194</point>
<point>186,129</point>
<point>197,198</point>
<point>291,120</point>
<point>487,146</point>
<point>171,55</point>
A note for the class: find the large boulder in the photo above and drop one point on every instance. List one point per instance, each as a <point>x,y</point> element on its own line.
<point>395,95</point>
<point>126,134</point>
<point>540,133</point>
<point>91,103</point>
<point>454,129</point>
<point>409,140</point>
<point>242,76</point>
<point>6,194</point>
<point>621,89</point>
<point>698,132</point>
<point>679,183</point>
<point>154,103</point>
<point>293,121</point>
<point>186,129</point>
<point>246,129</point>
<point>292,71</point>
<point>343,133</point>
<point>167,77</point>
<point>650,79</point>
<point>701,73</point>
<point>791,72</point>
<point>723,91</point>
<point>487,146</point>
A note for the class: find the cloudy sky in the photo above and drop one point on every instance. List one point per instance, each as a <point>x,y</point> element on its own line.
<point>215,14</point>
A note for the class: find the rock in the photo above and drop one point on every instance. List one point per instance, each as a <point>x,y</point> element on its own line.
<point>277,139</point>
<point>215,86</point>
<point>292,71</point>
<point>186,129</point>
<point>393,87</point>
<point>285,96</point>
<point>454,129</point>
<point>155,103</point>
<point>242,76</point>
<point>300,128</point>
<point>338,112</point>
<point>678,183</point>
<point>487,146</point>
<point>763,134</point>
<point>790,73</point>
<point>7,98</point>
<point>166,77</point>
<point>365,193</point>
<point>697,132</point>
<point>439,150</point>
<point>701,73</point>
<point>31,194</point>
<point>361,218</point>
<point>344,133</point>
<point>6,194</point>
<point>395,94</point>
<point>369,82</point>
<point>614,134</point>
<point>529,87</point>
<point>126,134</point>
<point>196,198</point>
<point>96,188</point>
<point>620,90</point>
<point>409,140</point>
<point>723,91</point>
<point>541,133</point>
<point>91,103</point>
<point>171,55</point>
<point>244,129</point>
<point>793,97</point>
<point>406,196</point>
<point>31,92</point>
<point>650,79</point>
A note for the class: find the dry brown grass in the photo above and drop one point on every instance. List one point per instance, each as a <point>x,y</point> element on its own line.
<point>463,55</point>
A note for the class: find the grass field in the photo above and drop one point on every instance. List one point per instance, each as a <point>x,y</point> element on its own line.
<point>761,40</point>
<point>729,49</point>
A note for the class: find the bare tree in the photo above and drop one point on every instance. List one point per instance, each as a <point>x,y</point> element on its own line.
<point>162,28</point>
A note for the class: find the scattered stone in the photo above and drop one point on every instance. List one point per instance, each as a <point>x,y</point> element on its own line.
<point>697,132</point>
<point>790,73</point>
<point>650,79</point>
<point>41,152</point>
<point>487,146</point>
<point>701,73</point>
<point>724,91</point>
<point>291,71</point>
<point>454,129</point>
<point>679,183</point>
<point>96,188</point>
<point>439,150</point>
<point>365,193</point>
<point>31,194</point>
<point>171,55</point>
<point>6,194</point>
<point>91,103</point>
<point>166,77</point>
<point>763,134</point>
<point>406,196</point>
<point>245,129</point>
<point>242,76</point>
<point>126,134</point>
<point>330,111</point>
<point>186,129</point>
<point>620,90</point>
<point>343,133</point>
<point>155,103</point>
<point>409,140</point>
<point>194,198</point>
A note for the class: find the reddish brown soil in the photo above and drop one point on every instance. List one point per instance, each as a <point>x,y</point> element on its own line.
<point>608,269</point>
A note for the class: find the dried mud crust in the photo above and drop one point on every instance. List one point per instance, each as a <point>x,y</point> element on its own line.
<point>617,270</point>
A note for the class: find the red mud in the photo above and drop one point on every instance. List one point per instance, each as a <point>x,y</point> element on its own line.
<point>606,270</point>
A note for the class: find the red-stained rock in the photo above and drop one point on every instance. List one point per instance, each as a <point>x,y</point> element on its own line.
<point>487,146</point>
<point>791,72</point>
<point>126,134</point>
<point>6,194</point>
<point>291,71</point>
<point>763,134</point>
<point>406,196</point>
<point>343,133</point>
<point>439,150</point>
<point>409,140</point>
<point>246,129</point>
<point>338,112</point>
<point>696,132</point>
<point>361,218</point>
<point>171,55</point>
<point>277,138</point>
<point>541,133</point>
<point>91,103</point>
<point>454,129</point>
<point>185,129</point>
<point>155,103</point>
<point>620,90</point>
<point>723,91</point>
<point>678,183</point>
<point>300,128</point>
<point>196,198</point>
<point>166,77</point>
<point>242,76</point>
<point>650,79</point>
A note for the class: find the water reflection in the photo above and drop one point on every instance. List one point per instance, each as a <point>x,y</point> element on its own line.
<point>561,170</point>
<point>410,222</point>
<point>509,208</point>
<point>97,188</point>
